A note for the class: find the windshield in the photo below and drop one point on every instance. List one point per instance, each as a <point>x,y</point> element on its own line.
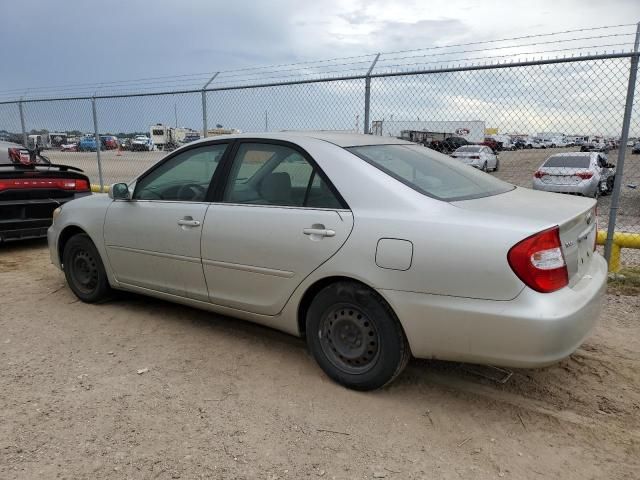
<point>431,173</point>
<point>575,161</point>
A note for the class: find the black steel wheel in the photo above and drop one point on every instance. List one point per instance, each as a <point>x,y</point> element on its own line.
<point>84,270</point>
<point>349,339</point>
<point>355,337</point>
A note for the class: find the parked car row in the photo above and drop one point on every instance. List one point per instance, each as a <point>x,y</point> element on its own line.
<point>581,173</point>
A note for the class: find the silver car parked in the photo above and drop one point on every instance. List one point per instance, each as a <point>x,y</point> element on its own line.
<point>580,173</point>
<point>478,156</point>
<point>374,249</point>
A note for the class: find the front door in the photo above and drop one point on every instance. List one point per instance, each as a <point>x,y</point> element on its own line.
<point>153,240</point>
<point>279,220</point>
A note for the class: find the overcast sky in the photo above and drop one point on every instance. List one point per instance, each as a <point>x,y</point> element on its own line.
<point>67,48</point>
<point>47,43</point>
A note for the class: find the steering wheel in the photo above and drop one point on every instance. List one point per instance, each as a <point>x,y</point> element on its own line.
<point>191,191</point>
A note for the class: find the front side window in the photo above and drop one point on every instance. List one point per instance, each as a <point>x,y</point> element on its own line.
<point>431,173</point>
<point>270,174</point>
<point>185,177</point>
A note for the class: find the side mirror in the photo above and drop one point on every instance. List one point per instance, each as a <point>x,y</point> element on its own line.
<point>119,191</point>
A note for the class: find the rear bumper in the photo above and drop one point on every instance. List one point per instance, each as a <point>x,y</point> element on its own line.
<point>24,219</point>
<point>532,330</point>
<point>587,189</point>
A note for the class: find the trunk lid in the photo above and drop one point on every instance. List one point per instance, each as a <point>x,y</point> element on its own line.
<point>563,175</point>
<point>535,211</point>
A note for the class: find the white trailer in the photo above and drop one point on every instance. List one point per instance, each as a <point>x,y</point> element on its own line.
<point>160,135</point>
<point>470,130</point>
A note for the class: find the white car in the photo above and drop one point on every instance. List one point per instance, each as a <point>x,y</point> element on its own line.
<point>478,156</point>
<point>373,248</point>
<point>141,143</point>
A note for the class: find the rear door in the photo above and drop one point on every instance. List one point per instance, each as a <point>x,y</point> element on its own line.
<point>153,240</point>
<point>278,220</point>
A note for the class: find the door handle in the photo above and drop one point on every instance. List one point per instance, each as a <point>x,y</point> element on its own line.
<point>321,232</point>
<point>188,222</point>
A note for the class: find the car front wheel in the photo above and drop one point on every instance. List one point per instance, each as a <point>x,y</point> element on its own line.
<point>355,337</point>
<point>84,270</point>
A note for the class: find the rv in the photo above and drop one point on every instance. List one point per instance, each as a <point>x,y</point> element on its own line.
<point>161,136</point>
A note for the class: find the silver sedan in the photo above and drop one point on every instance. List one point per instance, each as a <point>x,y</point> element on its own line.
<point>581,173</point>
<point>373,249</point>
<point>478,156</point>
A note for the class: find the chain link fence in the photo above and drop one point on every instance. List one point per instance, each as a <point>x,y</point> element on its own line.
<point>563,124</point>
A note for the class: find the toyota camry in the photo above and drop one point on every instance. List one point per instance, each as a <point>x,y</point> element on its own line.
<point>373,249</point>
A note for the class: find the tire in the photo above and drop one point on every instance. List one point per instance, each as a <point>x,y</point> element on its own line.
<point>355,337</point>
<point>484,167</point>
<point>84,270</point>
<point>497,165</point>
<point>610,181</point>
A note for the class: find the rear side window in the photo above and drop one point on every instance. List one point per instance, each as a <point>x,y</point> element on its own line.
<point>271,174</point>
<point>431,173</point>
<point>575,161</point>
<point>468,149</point>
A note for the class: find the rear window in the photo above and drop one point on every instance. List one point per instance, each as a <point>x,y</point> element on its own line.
<point>431,173</point>
<point>574,161</point>
<point>468,149</point>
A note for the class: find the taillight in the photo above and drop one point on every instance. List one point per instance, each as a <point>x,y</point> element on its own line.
<point>538,174</point>
<point>78,185</point>
<point>539,262</point>
<point>584,175</point>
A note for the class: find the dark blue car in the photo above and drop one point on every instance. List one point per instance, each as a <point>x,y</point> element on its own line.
<point>88,144</point>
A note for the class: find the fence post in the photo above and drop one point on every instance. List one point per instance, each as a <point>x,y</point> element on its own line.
<point>204,105</point>
<point>367,94</point>
<point>97,137</point>
<point>622,150</point>
<point>22,124</point>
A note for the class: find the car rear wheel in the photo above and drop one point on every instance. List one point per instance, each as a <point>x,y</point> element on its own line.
<point>484,167</point>
<point>497,165</point>
<point>355,337</point>
<point>610,181</point>
<point>84,270</point>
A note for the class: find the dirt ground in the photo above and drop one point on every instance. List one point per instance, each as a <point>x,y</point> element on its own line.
<point>223,399</point>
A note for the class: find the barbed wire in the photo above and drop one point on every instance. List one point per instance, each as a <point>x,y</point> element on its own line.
<point>326,67</point>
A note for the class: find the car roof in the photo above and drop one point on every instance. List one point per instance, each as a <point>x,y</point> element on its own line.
<point>341,139</point>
